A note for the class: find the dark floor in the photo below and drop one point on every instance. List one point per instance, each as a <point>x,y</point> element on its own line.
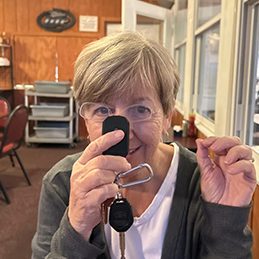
<point>18,219</point>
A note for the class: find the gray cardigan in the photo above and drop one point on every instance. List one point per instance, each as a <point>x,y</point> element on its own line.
<point>196,229</point>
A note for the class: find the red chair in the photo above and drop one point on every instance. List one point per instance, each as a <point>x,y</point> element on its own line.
<point>12,138</point>
<point>5,110</point>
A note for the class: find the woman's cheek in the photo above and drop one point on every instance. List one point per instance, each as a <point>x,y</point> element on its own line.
<point>95,130</point>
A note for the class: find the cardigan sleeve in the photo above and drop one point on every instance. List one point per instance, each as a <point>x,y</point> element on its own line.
<point>224,232</point>
<point>55,237</point>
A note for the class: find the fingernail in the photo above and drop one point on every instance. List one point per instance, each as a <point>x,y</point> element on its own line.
<point>119,134</point>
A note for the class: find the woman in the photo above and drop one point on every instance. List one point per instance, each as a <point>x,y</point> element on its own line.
<point>187,210</point>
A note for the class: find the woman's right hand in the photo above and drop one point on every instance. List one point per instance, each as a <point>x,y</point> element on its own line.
<point>92,184</point>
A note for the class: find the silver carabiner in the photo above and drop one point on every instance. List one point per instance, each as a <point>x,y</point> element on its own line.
<point>122,174</point>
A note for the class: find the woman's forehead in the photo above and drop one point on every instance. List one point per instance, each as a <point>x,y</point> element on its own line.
<point>132,97</point>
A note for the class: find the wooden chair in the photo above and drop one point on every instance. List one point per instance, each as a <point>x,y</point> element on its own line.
<point>12,139</point>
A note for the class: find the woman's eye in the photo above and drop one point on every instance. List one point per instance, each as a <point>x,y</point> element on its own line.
<point>142,109</point>
<point>101,110</point>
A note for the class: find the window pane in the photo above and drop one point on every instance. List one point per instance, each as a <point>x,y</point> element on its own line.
<point>181,66</point>
<point>208,70</point>
<point>181,21</point>
<point>207,9</point>
<point>151,27</point>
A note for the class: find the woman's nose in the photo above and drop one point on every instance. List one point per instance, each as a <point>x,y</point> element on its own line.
<point>119,112</point>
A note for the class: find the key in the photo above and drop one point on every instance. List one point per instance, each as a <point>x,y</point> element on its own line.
<point>122,244</point>
<point>121,219</point>
<point>121,216</point>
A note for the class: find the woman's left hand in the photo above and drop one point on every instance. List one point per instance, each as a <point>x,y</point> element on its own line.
<point>229,179</point>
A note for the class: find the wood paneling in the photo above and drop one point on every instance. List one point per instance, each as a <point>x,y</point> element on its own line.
<point>255,223</point>
<point>22,14</point>
<point>111,8</point>
<point>10,15</point>
<point>68,49</point>
<point>73,8</point>
<point>177,118</point>
<point>34,59</point>
<point>1,15</point>
<point>35,9</point>
<point>34,48</point>
<point>62,4</point>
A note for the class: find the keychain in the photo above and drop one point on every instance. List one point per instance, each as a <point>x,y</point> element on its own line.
<point>121,216</point>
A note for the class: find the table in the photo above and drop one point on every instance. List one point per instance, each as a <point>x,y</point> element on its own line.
<point>188,142</point>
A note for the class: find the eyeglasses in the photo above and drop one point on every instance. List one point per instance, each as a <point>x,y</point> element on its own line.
<point>99,112</point>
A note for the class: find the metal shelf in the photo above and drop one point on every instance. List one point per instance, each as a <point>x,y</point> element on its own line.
<point>72,118</point>
<point>43,118</point>
<point>33,139</point>
<point>51,95</point>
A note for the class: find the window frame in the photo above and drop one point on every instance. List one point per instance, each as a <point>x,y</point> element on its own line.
<point>242,76</point>
<point>223,108</point>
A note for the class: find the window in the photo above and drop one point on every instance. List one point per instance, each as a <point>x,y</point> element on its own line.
<point>207,10</point>
<point>181,8</point>
<point>247,97</point>
<point>208,71</point>
<point>207,39</point>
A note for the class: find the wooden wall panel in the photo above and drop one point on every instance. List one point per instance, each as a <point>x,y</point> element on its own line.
<point>22,14</point>
<point>34,48</point>
<point>68,48</point>
<point>91,7</point>
<point>34,59</point>
<point>74,9</point>
<point>111,8</point>
<point>61,4</point>
<point>46,5</point>
<point>177,118</point>
<point>10,15</point>
<point>255,223</point>
<point>1,15</point>
<point>35,8</point>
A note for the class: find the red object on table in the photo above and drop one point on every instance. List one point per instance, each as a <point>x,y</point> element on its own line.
<point>191,126</point>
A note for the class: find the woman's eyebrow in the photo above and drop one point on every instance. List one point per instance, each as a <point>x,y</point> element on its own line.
<point>140,99</point>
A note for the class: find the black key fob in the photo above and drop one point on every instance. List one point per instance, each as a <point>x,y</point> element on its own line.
<point>121,216</point>
<point>114,123</point>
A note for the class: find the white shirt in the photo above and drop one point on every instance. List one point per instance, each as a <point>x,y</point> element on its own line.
<point>145,237</point>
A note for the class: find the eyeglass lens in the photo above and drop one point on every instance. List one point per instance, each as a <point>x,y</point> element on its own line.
<point>99,112</point>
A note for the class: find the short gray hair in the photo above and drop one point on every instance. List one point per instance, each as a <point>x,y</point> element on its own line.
<point>111,66</point>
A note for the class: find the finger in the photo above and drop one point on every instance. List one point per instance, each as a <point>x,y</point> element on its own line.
<point>238,153</point>
<point>221,145</point>
<point>203,158</point>
<point>102,193</point>
<point>101,162</point>
<point>109,162</point>
<point>94,179</point>
<point>85,211</point>
<point>101,144</point>
<point>243,166</point>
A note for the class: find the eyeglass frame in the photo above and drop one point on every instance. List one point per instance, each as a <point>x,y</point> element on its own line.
<point>111,113</point>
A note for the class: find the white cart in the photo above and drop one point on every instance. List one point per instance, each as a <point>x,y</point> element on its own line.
<point>71,119</point>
